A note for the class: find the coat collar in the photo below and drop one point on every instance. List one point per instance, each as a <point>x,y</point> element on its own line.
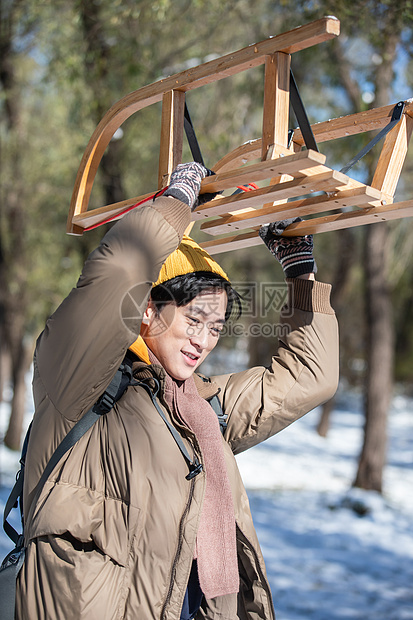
<point>143,371</point>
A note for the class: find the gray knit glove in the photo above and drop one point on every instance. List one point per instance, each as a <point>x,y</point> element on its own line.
<point>295,254</point>
<point>185,184</point>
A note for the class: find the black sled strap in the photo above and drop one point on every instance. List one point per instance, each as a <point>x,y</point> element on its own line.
<point>301,116</point>
<point>396,116</point>
<point>191,137</point>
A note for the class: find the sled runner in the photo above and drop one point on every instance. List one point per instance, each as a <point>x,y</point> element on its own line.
<point>293,177</point>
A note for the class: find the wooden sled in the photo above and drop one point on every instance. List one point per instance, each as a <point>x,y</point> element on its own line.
<point>294,181</point>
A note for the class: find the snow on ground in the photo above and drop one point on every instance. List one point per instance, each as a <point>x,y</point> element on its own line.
<point>332,552</point>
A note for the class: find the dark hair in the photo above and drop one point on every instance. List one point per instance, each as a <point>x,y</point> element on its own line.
<point>181,290</point>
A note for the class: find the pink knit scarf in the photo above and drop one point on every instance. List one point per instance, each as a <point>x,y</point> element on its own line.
<point>216,550</point>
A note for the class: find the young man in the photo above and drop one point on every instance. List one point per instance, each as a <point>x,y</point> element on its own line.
<point>147,518</point>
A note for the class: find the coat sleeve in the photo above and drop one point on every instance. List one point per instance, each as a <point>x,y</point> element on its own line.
<point>86,338</point>
<point>262,401</point>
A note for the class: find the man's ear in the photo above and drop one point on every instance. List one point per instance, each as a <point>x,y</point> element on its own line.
<point>149,313</point>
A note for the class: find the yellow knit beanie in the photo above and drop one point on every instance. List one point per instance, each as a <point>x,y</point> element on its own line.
<point>188,257</point>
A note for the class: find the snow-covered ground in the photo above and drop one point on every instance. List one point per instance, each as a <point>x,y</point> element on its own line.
<point>332,552</point>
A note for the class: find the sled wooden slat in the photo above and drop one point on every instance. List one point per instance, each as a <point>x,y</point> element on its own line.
<point>232,242</point>
<point>243,154</point>
<point>392,156</point>
<point>293,163</point>
<point>276,110</point>
<point>172,132</point>
<point>337,221</point>
<point>324,180</point>
<point>353,124</point>
<point>327,223</point>
<point>98,215</point>
<point>362,196</point>
<point>276,101</point>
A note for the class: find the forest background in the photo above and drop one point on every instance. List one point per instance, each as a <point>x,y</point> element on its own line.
<point>63,63</point>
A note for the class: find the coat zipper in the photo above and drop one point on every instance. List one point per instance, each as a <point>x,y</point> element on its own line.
<point>179,548</point>
<point>195,467</point>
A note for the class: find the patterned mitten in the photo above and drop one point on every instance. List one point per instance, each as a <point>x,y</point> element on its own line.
<point>186,182</point>
<point>295,254</point>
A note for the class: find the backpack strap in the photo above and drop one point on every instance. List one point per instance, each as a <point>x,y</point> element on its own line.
<point>222,417</point>
<point>216,406</point>
<point>194,466</point>
<point>119,383</point>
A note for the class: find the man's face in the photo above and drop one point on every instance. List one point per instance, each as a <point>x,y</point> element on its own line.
<point>182,337</point>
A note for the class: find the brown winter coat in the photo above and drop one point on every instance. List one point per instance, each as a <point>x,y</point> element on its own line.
<point>112,534</point>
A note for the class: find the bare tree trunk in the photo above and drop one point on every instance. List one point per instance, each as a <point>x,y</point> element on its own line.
<point>4,366</point>
<point>13,256</point>
<point>261,346</point>
<point>344,238</point>
<point>380,347</point>
<point>346,253</point>
<point>379,318</point>
<point>14,327</point>
<point>20,357</point>
<point>323,425</point>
